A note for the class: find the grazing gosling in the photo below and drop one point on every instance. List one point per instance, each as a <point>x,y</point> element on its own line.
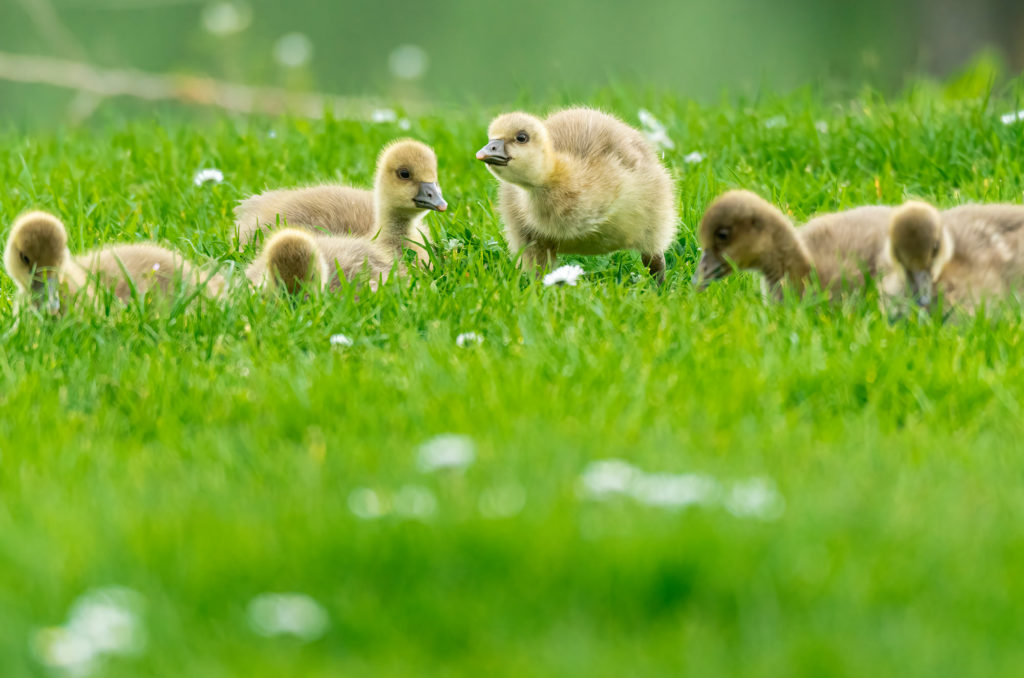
<point>290,260</point>
<point>293,258</point>
<point>36,257</point>
<point>405,188</point>
<point>38,260</point>
<point>741,230</point>
<point>579,182</point>
<point>969,253</point>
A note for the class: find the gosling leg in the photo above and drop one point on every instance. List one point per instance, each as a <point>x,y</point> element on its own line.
<point>655,263</point>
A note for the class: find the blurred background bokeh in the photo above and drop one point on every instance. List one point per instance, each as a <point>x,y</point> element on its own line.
<point>480,51</point>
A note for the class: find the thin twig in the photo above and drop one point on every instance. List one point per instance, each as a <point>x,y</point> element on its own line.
<point>188,89</point>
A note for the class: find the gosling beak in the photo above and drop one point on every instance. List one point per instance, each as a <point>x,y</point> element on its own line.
<point>709,269</point>
<point>429,197</point>
<point>494,153</point>
<point>922,288</point>
<point>52,295</point>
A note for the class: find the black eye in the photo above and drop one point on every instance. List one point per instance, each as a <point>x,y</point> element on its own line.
<point>935,249</point>
<point>522,137</point>
<point>404,173</point>
<point>24,259</point>
<point>722,234</point>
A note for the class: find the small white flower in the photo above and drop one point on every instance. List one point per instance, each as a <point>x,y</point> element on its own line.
<point>156,266</point>
<point>775,121</point>
<point>503,501</point>
<point>468,339</point>
<point>564,275</point>
<point>693,158</point>
<point>109,620</point>
<point>608,476</point>
<point>452,244</point>
<point>295,614</point>
<point>101,622</point>
<point>755,498</point>
<point>293,50</point>
<point>366,504</point>
<point>272,134</point>
<point>654,130</point>
<point>340,340</point>
<point>415,501</point>
<point>1010,118</point>
<point>380,115</point>
<point>206,176</point>
<point>408,62</point>
<point>448,450</point>
<point>821,126</point>
<point>678,491</point>
<point>59,648</point>
<point>404,124</point>
<point>226,18</point>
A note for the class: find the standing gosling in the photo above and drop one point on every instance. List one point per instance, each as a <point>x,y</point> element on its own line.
<point>969,253</point>
<point>742,230</point>
<point>579,182</point>
<point>290,260</point>
<point>405,188</point>
<point>38,260</point>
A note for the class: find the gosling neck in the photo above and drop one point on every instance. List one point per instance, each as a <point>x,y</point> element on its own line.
<point>788,260</point>
<point>395,225</point>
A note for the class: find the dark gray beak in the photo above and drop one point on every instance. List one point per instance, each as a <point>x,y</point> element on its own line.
<point>429,197</point>
<point>922,287</point>
<point>494,153</point>
<point>709,269</point>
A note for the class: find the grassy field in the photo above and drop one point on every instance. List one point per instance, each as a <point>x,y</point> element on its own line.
<point>810,490</point>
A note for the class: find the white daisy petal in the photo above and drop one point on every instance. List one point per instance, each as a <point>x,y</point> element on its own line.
<point>340,340</point>
<point>446,451</point>
<point>207,176</point>
<point>468,339</point>
<point>292,614</point>
<point>564,275</point>
<point>1010,118</point>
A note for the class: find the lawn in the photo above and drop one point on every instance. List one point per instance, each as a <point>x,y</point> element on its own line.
<point>802,489</point>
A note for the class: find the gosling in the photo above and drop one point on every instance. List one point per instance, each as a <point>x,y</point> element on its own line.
<point>579,182</point>
<point>291,261</point>
<point>38,260</point>
<point>741,230</point>
<point>405,188</point>
<point>968,254</point>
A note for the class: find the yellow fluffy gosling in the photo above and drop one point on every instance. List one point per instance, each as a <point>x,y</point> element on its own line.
<point>742,230</point>
<point>579,182</point>
<point>38,260</point>
<point>968,253</point>
<point>405,188</point>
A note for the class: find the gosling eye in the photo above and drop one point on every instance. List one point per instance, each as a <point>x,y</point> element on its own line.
<point>24,259</point>
<point>404,173</point>
<point>935,249</point>
<point>722,234</point>
<point>522,137</point>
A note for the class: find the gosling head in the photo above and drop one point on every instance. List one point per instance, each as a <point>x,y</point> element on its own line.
<point>294,261</point>
<point>519,150</point>
<point>37,249</point>
<point>735,233</point>
<point>919,247</point>
<point>407,178</point>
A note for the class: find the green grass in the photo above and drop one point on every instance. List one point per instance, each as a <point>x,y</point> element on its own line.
<point>204,456</point>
